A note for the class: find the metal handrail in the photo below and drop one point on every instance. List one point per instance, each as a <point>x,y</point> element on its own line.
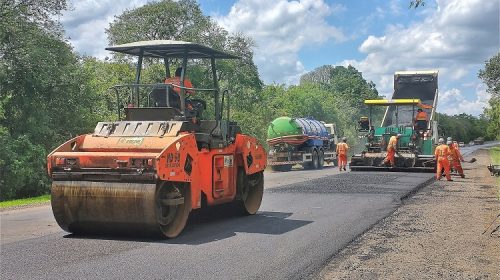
<point>153,86</point>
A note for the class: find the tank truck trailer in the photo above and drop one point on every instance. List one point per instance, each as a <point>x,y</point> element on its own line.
<point>304,141</point>
<point>161,159</point>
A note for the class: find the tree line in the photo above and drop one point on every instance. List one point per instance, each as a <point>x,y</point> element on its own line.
<point>49,93</point>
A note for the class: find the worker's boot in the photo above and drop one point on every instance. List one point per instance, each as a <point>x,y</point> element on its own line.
<point>462,175</point>
<point>344,169</point>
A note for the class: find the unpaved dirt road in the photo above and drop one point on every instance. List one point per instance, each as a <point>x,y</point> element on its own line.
<point>446,231</point>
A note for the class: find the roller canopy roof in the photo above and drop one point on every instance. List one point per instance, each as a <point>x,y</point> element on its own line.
<point>170,49</point>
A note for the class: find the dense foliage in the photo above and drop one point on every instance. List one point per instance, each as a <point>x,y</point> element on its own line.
<point>49,94</point>
<point>491,77</point>
<point>462,128</point>
<point>44,96</point>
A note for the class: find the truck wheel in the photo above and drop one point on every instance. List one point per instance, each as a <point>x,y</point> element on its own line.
<point>313,164</point>
<point>321,159</point>
<point>315,160</point>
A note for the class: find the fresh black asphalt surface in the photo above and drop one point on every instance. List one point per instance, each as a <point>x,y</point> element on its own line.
<point>299,227</point>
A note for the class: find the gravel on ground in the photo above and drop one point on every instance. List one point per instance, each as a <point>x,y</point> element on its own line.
<point>449,230</point>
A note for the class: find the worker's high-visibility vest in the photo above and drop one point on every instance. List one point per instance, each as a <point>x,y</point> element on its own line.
<point>455,154</point>
<point>442,151</point>
<point>421,116</point>
<point>342,148</point>
<point>393,142</point>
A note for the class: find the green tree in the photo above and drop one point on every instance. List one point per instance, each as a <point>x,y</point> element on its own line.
<point>417,3</point>
<point>346,91</point>
<point>43,94</point>
<point>491,77</point>
<point>462,127</point>
<point>184,20</point>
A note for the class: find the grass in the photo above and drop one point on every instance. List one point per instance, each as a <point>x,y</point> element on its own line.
<point>495,160</point>
<point>24,201</point>
<point>495,155</point>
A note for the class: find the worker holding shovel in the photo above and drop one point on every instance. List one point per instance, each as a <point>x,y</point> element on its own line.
<point>455,158</point>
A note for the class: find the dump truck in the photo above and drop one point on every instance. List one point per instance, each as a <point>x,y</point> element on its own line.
<point>479,141</point>
<point>413,90</point>
<point>161,158</point>
<point>303,141</point>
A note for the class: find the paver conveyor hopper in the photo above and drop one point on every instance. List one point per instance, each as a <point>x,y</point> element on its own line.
<point>413,90</point>
<point>161,159</point>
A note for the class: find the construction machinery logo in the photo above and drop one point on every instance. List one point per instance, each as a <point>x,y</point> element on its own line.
<point>136,141</point>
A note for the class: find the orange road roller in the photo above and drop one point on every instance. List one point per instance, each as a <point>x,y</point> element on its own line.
<point>161,158</point>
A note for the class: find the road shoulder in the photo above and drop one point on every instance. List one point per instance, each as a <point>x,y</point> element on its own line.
<point>444,231</point>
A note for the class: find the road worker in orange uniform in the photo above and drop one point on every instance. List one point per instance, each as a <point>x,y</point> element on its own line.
<point>442,153</point>
<point>455,158</point>
<point>421,120</point>
<point>342,149</point>
<point>176,81</point>
<point>391,150</point>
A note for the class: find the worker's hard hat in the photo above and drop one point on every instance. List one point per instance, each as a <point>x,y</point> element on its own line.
<point>344,138</point>
<point>441,141</point>
<point>449,139</point>
<point>399,135</point>
<point>449,142</point>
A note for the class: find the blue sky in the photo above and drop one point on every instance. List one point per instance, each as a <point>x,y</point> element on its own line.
<point>378,37</point>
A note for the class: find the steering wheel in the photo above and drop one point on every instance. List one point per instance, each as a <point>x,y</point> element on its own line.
<point>197,104</point>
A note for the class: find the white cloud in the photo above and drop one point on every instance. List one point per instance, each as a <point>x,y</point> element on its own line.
<point>454,102</point>
<point>455,39</point>
<point>86,21</point>
<point>281,29</point>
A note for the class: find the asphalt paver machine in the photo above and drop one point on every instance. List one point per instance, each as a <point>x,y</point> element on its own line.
<point>413,90</point>
<point>146,171</point>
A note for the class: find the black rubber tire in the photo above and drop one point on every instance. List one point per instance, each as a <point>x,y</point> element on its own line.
<point>313,163</point>
<point>321,159</point>
<point>315,160</point>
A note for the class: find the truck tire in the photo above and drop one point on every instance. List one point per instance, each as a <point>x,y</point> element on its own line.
<point>321,159</point>
<point>313,164</point>
<point>315,160</point>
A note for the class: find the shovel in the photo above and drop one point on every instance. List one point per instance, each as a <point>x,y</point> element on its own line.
<point>472,160</point>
